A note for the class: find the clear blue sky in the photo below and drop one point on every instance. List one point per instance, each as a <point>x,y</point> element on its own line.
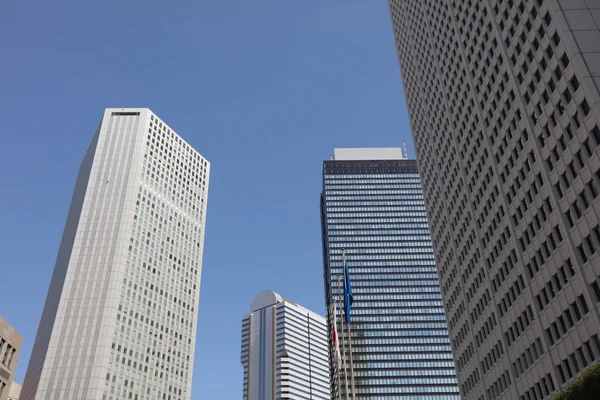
<point>263,89</point>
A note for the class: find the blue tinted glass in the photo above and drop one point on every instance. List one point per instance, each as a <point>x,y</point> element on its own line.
<point>375,212</point>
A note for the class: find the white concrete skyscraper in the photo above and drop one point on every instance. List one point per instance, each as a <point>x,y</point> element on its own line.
<point>121,312</point>
<point>284,351</point>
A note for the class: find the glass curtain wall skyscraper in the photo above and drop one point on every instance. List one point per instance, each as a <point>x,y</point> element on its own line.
<point>372,208</point>
<point>121,312</point>
<point>504,105</point>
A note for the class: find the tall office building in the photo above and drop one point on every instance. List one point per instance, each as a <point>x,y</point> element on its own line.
<point>10,347</point>
<point>121,312</point>
<point>284,351</point>
<point>504,106</point>
<point>372,207</point>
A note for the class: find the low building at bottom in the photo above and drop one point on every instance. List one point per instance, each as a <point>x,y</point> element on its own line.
<point>15,391</point>
<point>10,345</point>
<point>284,351</point>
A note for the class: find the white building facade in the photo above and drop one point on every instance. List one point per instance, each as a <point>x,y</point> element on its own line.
<point>284,351</point>
<point>120,316</point>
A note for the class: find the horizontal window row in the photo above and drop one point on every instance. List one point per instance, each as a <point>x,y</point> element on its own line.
<point>461,335</point>
<point>492,357</point>
<point>401,254</point>
<point>366,274</point>
<point>565,321</point>
<point>504,271</point>
<point>390,312</point>
<point>596,288</point>
<point>370,391</point>
<point>336,254</point>
<point>577,163</point>
<point>425,380</point>
<point>583,356</point>
<point>395,283</point>
<point>534,227</point>
<point>470,382</point>
<point>413,365</point>
<point>361,303</point>
<point>499,386</point>
<point>407,197</point>
<point>590,245</point>
<point>408,329</point>
<point>400,191</point>
<point>375,211</point>
<point>391,335</point>
<point>377,202</point>
<point>380,248</point>
<point>388,289</point>
<point>374,232</point>
<point>400,243</point>
<point>519,326</point>
<point>486,329</point>
<point>370,176</point>
<point>395,216</point>
<point>392,353</point>
<point>481,305</point>
<point>377,240</point>
<point>542,254</point>
<point>412,262</point>
<point>528,357</point>
<point>403,372</point>
<point>332,228</point>
<point>366,182</point>
<point>554,285</point>
<point>540,390</point>
<point>465,357</point>
<point>367,297</point>
<point>351,220</point>
<point>582,201</point>
<point>371,329</point>
<point>511,295</point>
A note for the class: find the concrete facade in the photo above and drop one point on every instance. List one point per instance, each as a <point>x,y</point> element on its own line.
<point>504,105</point>
<point>10,347</point>
<point>121,312</point>
<point>284,351</point>
<point>15,391</point>
<point>370,153</point>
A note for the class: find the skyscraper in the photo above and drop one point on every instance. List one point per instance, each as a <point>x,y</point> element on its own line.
<point>121,312</point>
<point>284,351</point>
<point>504,107</point>
<point>372,207</point>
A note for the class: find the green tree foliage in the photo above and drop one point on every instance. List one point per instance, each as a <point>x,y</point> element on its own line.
<point>587,387</point>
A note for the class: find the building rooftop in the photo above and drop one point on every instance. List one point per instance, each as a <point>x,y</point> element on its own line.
<point>268,298</point>
<point>371,153</point>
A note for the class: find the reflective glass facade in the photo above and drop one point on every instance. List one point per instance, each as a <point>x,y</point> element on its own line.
<point>401,350</point>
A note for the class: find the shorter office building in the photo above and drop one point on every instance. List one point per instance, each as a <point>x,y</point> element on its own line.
<point>15,391</point>
<point>10,345</point>
<point>284,351</point>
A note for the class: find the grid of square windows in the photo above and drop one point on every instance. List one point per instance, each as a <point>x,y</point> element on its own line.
<point>154,335</point>
<point>510,186</point>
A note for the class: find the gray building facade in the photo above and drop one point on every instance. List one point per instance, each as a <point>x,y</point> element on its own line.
<point>284,351</point>
<point>120,316</point>
<point>372,208</point>
<point>504,105</point>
